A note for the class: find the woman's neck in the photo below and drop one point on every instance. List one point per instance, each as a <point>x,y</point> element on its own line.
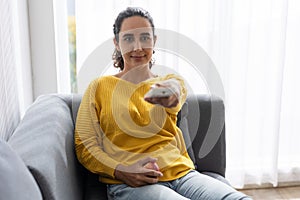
<point>136,75</point>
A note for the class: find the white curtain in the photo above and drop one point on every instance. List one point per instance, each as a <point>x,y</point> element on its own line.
<point>262,92</point>
<point>9,106</point>
<point>15,73</point>
<point>255,47</point>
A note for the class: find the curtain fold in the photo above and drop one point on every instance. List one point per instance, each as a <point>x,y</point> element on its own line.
<point>254,45</point>
<point>15,65</point>
<point>9,106</point>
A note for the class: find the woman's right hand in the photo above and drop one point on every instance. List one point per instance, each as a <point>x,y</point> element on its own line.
<point>137,174</point>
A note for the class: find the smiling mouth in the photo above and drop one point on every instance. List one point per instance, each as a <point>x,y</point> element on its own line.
<point>138,57</point>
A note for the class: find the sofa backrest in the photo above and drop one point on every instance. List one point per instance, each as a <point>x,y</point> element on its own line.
<point>206,124</point>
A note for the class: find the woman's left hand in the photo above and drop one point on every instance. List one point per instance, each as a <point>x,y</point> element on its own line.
<point>168,99</point>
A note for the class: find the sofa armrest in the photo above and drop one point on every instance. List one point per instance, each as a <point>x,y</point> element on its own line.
<point>16,182</point>
<point>206,122</point>
<point>45,142</point>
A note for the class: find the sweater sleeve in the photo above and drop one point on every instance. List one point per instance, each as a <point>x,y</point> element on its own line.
<point>88,136</point>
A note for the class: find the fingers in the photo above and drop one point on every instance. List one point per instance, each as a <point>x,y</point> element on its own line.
<point>165,93</point>
<point>152,165</point>
<point>142,180</point>
<point>168,102</point>
<point>136,174</point>
<point>154,173</point>
<point>148,178</point>
<point>139,179</point>
<point>172,84</point>
<point>144,161</point>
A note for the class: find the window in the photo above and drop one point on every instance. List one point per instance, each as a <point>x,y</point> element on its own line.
<point>72,44</point>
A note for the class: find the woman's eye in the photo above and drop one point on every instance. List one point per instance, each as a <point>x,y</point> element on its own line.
<point>145,38</point>
<point>128,39</point>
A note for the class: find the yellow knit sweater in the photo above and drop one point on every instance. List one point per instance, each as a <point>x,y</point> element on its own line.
<point>116,125</point>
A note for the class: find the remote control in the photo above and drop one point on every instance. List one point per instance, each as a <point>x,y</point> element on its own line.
<point>159,92</point>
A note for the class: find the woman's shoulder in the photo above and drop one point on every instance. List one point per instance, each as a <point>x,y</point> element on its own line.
<point>102,79</point>
<point>170,76</point>
<point>106,77</point>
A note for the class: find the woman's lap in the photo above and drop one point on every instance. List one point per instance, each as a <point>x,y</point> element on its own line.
<point>191,186</point>
<point>149,192</point>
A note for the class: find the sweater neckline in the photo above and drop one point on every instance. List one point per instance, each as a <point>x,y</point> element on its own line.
<point>134,84</point>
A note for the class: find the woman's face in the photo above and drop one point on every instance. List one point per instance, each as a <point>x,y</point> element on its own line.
<point>136,42</point>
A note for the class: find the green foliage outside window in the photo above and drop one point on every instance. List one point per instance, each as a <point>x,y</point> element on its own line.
<point>72,52</point>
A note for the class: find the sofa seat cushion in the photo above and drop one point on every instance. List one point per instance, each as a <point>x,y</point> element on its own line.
<point>94,189</point>
<point>16,180</point>
<point>45,141</point>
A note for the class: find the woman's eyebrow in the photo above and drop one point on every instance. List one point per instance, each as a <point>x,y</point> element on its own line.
<point>127,35</point>
<point>145,34</point>
<point>131,34</point>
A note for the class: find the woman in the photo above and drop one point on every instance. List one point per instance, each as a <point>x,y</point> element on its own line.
<point>126,125</point>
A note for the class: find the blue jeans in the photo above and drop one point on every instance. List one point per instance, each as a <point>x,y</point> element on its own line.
<point>191,186</point>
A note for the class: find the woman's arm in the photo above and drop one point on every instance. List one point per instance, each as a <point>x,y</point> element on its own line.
<point>88,136</point>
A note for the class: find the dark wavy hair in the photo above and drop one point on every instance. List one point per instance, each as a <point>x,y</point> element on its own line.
<point>129,12</point>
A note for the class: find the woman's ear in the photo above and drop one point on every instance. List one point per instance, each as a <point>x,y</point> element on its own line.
<point>154,39</point>
<point>116,44</point>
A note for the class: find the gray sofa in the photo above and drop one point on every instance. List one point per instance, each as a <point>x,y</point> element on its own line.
<point>38,160</point>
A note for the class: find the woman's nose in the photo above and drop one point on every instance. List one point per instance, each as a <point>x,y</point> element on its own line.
<point>137,45</point>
